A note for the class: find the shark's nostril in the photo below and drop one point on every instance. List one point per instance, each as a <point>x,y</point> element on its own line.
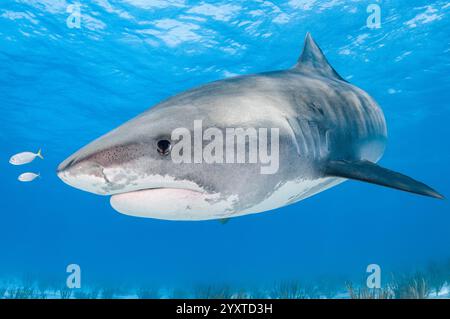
<point>70,163</point>
<point>64,166</point>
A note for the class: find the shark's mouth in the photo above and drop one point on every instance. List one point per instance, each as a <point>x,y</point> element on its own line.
<point>170,203</point>
<point>155,196</point>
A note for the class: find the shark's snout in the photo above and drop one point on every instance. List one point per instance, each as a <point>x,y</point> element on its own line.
<point>98,169</point>
<point>85,174</point>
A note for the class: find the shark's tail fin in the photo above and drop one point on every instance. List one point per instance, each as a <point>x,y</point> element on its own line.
<point>372,173</point>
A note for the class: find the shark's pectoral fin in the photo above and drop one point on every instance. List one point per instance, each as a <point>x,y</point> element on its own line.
<point>372,173</point>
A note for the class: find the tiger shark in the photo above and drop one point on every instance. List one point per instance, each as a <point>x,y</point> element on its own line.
<point>329,131</point>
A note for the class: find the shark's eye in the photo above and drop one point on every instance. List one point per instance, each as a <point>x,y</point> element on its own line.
<point>163,147</point>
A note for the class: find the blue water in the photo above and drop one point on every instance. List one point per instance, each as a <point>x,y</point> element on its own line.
<point>62,87</point>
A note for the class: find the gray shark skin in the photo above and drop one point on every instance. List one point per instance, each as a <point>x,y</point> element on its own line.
<point>329,131</point>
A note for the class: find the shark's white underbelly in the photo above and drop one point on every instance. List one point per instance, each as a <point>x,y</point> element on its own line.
<point>173,204</point>
<point>291,192</point>
<point>184,204</point>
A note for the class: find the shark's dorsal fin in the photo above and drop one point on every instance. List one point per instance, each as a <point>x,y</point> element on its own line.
<point>372,173</point>
<point>312,60</point>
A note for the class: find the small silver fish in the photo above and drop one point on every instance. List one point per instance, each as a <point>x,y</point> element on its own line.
<point>24,158</point>
<point>27,177</point>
